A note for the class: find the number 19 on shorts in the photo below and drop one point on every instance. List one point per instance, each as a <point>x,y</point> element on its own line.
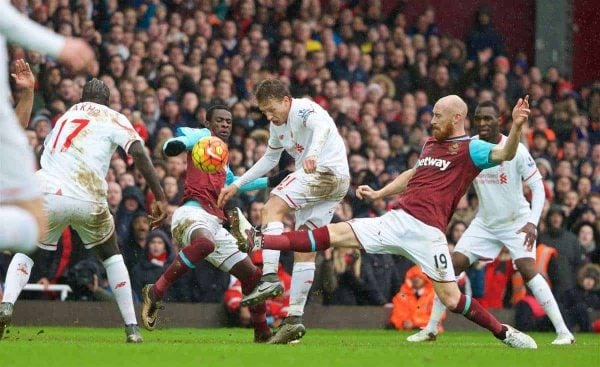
<point>441,262</point>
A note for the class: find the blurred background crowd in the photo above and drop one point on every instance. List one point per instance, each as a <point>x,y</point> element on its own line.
<point>378,72</point>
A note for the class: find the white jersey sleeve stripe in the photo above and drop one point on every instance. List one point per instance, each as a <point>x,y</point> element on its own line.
<point>128,145</point>
<point>531,175</point>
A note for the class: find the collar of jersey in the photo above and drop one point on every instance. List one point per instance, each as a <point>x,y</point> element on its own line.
<point>459,138</point>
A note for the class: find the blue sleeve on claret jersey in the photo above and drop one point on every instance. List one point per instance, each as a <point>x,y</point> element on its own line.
<point>189,136</point>
<point>480,151</point>
<point>258,184</point>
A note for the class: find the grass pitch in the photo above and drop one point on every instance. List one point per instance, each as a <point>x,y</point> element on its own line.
<point>52,346</point>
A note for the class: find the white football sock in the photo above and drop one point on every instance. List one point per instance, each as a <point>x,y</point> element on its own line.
<point>541,291</point>
<point>302,280</point>
<point>18,229</point>
<point>436,315</point>
<point>17,277</point>
<point>271,257</point>
<point>118,278</point>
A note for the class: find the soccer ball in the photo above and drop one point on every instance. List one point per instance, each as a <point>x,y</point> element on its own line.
<point>210,154</point>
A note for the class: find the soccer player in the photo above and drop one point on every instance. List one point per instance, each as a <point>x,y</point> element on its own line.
<point>504,219</point>
<point>320,182</point>
<point>430,191</point>
<point>197,225</point>
<point>23,222</point>
<point>74,164</point>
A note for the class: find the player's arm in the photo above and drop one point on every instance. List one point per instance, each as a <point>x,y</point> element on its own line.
<point>532,177</point>
<point>266,163</point>
<point>320,133</point>
<point>397,186</point>
<point>520,115</point>
<point>186,139</point>
<point>19,29</point>
<point>144,165</point>
<point>259,183</point>
<point>25,82</point>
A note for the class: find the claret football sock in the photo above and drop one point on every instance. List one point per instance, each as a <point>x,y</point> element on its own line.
<point>473,311</point>
<point>300,241</point>
<point>258,314</point>
<point>251,282</point>
<point>197,250</point>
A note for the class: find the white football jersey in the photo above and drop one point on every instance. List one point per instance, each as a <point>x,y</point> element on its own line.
<point>78,150</point>
<point>296,137</point>
<point>500,190</point>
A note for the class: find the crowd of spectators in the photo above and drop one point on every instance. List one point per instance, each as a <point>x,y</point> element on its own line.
<point>377,74</point>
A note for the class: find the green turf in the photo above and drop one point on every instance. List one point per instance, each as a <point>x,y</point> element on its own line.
<point>51,346</point>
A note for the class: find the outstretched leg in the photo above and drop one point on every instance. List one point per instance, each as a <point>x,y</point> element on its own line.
<point>457,302</point>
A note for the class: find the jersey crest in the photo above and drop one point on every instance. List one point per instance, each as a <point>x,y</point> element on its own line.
<point>304,113</point>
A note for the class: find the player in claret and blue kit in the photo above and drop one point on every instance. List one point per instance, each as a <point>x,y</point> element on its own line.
<point>504,219</point>
<point>197,225</point>
<point>429,194</point>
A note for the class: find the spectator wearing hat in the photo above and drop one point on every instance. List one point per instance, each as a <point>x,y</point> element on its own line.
<point>569,252</point>
<point>158,255</point>
<point>132,202</point>
<point>589,240</point>
<point>133,247</point>
<point>582,300</point>
<point>42,126</point>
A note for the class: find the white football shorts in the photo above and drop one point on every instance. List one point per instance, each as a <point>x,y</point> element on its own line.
<point>313,196</point>
<point>91,220</point>
<point>188,218</point>
<point>399,233</point>
<point>481,243</point>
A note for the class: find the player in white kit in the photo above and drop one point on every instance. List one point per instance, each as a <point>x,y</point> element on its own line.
<point>75,162</point>
<point>504,219</point>
<point>306,131</point>
<point>23,221</point>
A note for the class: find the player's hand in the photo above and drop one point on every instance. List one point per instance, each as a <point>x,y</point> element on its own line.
<point>77,55</point>
<point>174,148</point>
<point>226,194</point>
<point>365,192</point>
<point>277,178</point>
<point>24,79</point>
<point>310,164</point>
<point>159,213</point>
<point>521,112</point>
<point>530,235</point>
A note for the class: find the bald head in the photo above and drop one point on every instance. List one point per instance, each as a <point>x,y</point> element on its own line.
<point>449,117</point>
<point>454,104</point>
